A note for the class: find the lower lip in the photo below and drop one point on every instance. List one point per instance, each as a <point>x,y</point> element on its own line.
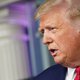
<point>53,54</point>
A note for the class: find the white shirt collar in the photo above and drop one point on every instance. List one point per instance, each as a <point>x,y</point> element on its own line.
<point>70,74</point>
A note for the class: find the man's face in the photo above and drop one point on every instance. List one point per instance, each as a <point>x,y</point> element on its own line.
<point>62,39</point>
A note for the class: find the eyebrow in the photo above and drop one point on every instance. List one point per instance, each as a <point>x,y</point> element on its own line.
<point>49,27</point>
<point>46,27</point>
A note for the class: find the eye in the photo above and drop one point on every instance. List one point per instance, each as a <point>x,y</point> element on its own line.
<point>42,31</point>
<point>52,29</point>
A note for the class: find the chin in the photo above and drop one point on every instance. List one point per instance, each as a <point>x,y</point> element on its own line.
<point>64,62</point>
<point>59,60</point>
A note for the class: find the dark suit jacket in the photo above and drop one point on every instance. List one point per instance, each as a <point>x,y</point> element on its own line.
<point>56,72</point>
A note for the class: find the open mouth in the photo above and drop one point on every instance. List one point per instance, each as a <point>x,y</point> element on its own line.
<point>53,52</point>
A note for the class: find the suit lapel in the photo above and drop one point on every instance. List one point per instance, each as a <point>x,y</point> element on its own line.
<point>56,72</point>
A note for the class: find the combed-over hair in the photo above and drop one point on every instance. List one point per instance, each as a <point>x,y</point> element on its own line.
<point>73,6</point>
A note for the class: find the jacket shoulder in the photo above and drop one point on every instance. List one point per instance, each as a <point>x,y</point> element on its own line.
<point>51,73</point>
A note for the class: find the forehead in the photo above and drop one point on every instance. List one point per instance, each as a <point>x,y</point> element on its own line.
<point>55,17</point>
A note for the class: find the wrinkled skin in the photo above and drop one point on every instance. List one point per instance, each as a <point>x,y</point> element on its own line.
<point>59,33</point>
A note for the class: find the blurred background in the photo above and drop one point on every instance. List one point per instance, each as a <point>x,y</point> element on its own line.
<point>22,53</point>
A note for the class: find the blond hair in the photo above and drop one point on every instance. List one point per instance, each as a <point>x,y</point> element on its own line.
<point>73,6</point>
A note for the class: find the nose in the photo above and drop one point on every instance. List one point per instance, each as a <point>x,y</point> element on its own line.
<point>47,38</point>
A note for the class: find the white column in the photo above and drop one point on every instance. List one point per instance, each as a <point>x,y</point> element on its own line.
<point>14,61</point>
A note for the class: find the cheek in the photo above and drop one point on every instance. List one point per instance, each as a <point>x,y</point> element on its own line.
<point>66,42</point>
<point>62,43</point>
